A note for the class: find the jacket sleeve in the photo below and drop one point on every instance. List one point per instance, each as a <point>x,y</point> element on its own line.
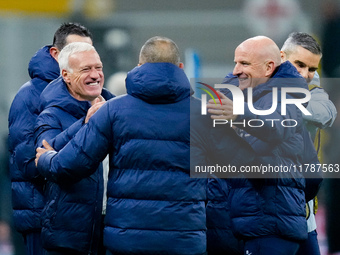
<point>82,155</point>
<point>49,127</point>
<point>24,158</point>
<point>321,107</point>
<point>22,116</point>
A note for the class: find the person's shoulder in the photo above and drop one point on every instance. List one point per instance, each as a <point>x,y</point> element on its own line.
<point>25,103</point>
<point>286,75</point>
<point>25,93</point>
<point>27,86</point>
<point>116,101</point>
<point>230,79</point>
<point>53,87</point>
<point>115,106</point>
<point>315,82</point>
<point>124,103</point>
<point>287,70</point>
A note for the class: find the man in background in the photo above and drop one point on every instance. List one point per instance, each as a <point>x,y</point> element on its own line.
<point>303,51</point>
<point>27,184</point>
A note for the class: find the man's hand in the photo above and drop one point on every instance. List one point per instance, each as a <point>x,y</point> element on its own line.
<point>224,111</point>
<point>41,151</point>
<point>95,106</point>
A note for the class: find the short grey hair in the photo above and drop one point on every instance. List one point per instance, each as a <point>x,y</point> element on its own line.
<point>159,49</point>
<point>69,50</point>
<point>304,40</point>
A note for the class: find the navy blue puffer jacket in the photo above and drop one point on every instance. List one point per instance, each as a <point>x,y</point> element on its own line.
<point>217,145</point>
<point>72,215</point>
<point>27,194</point>
<point>274,205</point>
<point>154,207</point>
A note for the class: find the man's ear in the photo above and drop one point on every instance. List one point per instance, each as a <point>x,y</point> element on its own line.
<point>181,65</point>
<point>54,52</point>
<point>270,68</point>
<point>66,76</point>
<point>283,56</point>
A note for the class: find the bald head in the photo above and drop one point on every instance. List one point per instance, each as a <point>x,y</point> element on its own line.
<point>264,48</point>
<point>255,61</point>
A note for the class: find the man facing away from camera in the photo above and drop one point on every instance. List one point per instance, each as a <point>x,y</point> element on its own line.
<point>153,205</point>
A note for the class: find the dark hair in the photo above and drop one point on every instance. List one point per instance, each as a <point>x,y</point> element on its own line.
<point>301,39</point>
<point>66,29</point>
<point>159,49</point>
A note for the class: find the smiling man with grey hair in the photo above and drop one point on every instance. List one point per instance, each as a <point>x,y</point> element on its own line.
<point>73,214</point>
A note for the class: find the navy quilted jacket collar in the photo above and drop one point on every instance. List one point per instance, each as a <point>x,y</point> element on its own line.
<point>57,95</point>
<point>286,75</point>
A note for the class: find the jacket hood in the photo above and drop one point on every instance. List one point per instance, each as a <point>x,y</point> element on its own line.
<point>158,83</point>
<point>56,94</point>
<point>42,65</point>
<point>285,75</point>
